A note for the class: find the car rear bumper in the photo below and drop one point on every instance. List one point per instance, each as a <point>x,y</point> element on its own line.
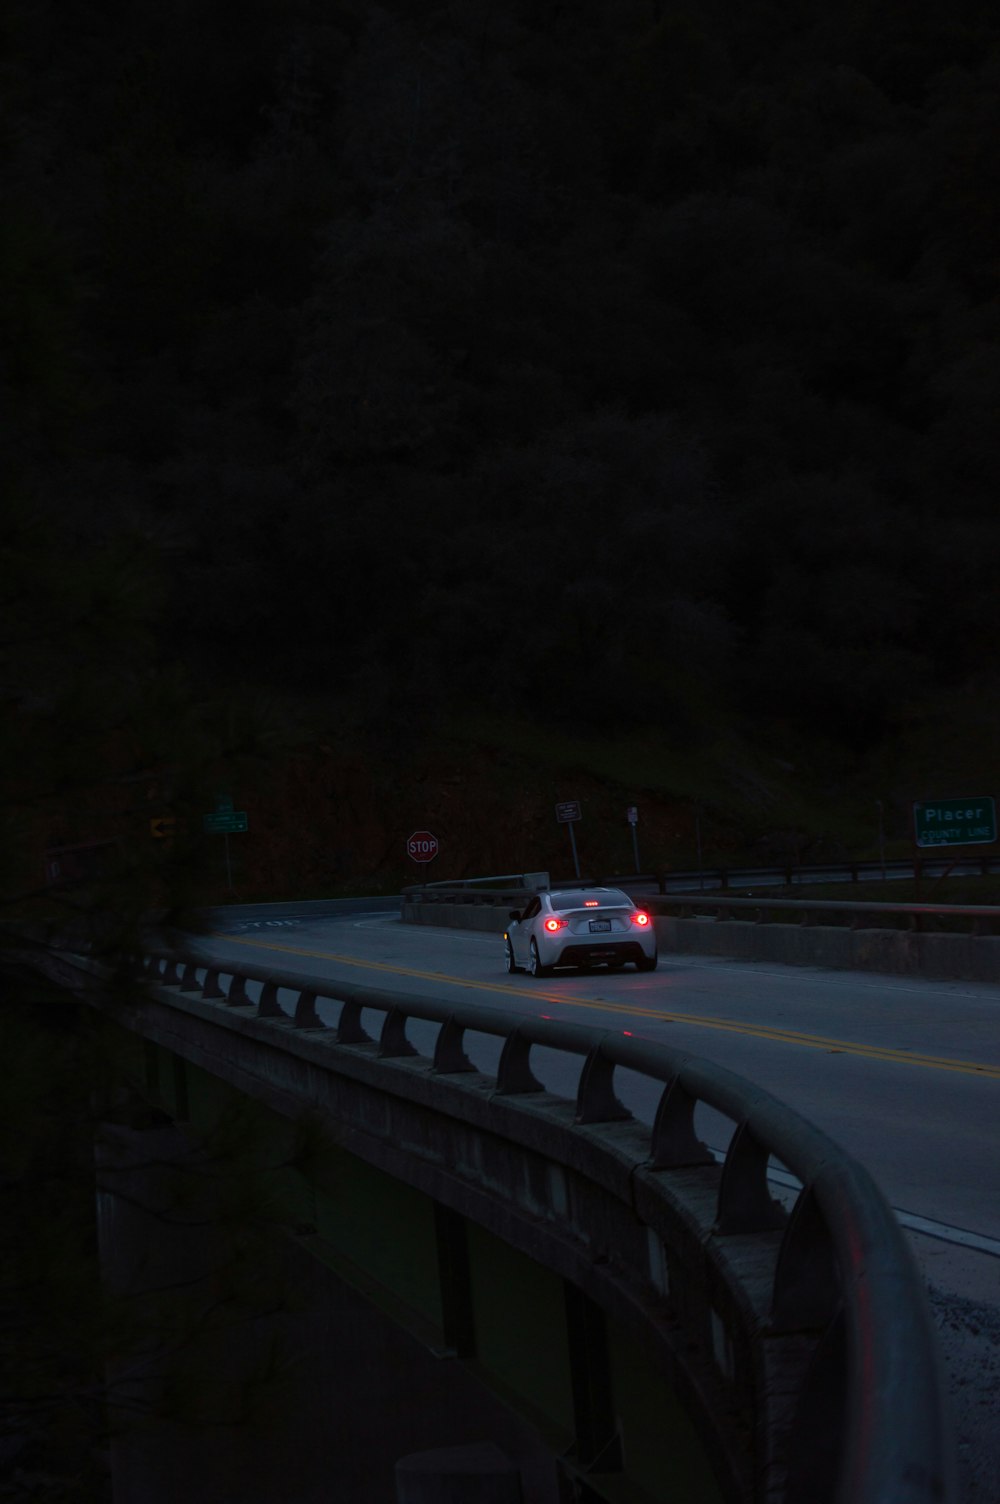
<point>591,952</point>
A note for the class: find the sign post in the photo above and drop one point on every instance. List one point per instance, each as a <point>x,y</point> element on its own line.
<point>226,821</point>
<point>633,820</point>
<point>567,813</point>
<point>881,836</point>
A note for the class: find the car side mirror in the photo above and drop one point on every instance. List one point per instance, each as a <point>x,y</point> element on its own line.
<point>514,914</point>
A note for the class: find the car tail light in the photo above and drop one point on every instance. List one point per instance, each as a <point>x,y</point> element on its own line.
<point>591,903</point>
<point>639,918</point>
<point>554,924</point>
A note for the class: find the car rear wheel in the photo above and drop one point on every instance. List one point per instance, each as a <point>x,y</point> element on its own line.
<point>534,962</point>
<point>648,963</point>
<point>508,951</point>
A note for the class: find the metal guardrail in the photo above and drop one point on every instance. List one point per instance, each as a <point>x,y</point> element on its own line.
<point>795,873</point>
<point>792,874</point>
<point>983,918</point>
<point>844,1271</point>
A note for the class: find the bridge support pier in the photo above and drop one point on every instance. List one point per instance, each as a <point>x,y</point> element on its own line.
<point>250,1370</point>
<point>458,1475</point>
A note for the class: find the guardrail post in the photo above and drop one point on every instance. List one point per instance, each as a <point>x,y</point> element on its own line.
<point>595,1099</point>
<point>674,1142</point>
<point>349,1030</point>
<point>745,1203</point>
<point>268,1005</point>
<point>210,987</point>
<point>806,1290</point>
<point>306,1016</point>
<point>236,997</point>
<point>449,1056</point>
<point>514,1073</point>
<point>393,1043</point>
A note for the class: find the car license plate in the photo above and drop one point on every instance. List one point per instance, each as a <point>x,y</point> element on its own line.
<point>599,924</point>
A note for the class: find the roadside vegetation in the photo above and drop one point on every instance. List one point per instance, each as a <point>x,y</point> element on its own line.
<point>451,359</point>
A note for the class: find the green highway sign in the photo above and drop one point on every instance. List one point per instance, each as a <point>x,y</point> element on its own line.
<point>226,822</point>
<point>955,822</point>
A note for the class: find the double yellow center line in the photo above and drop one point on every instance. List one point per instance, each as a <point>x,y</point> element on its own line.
<point>639,1013</point>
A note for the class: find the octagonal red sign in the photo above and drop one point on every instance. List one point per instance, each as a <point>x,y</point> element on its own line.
<point>422,846</point>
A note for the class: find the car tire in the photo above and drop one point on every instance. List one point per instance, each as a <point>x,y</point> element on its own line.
<point>534,962</point>
<point>648,963</point>
<point>509,957</point>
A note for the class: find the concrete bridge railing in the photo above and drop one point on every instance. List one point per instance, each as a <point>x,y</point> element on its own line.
<point>801,1339</point>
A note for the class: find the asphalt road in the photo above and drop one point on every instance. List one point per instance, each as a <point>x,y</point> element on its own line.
<point>905,1074</point>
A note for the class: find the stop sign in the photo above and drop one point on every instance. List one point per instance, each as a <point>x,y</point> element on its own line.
<point>422,846</point>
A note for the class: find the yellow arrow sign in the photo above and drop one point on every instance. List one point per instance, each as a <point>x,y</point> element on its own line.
<point>162,826</point>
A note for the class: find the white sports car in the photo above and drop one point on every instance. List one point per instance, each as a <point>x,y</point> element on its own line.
<point>580,927</point>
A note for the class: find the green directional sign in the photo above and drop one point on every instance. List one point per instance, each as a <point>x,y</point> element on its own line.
<point>226,822</point>
<point>955,822</point>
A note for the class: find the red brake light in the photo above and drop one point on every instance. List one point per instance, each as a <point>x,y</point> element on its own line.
<point>554,924</point>
<point>591,903</point>
<point>639,917</point>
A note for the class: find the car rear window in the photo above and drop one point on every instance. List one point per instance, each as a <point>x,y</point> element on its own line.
<point>611,899</point>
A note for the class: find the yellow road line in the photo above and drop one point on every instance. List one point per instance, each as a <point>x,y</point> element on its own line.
<point>757,1031</point>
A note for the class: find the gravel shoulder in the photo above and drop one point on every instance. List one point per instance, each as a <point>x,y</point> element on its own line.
<point>963,1289</point>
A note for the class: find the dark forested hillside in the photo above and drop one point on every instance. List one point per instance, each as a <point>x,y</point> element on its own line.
<point>465,353</point>
<point>539,400</point>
